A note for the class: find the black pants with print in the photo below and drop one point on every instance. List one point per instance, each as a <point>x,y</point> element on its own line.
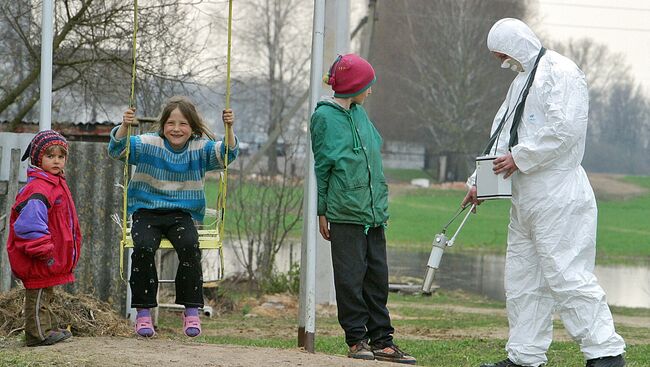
<point>361,283</point>
<point>149,226</point>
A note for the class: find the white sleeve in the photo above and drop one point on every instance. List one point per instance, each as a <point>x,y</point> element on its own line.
<point>565,101</point>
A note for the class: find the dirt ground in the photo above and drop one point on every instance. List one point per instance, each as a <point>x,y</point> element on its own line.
<point>612,186</point>
<point>116,351</point>
<point>180,351</point>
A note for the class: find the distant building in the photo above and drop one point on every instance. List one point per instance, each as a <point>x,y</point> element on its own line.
<point>74,131</point>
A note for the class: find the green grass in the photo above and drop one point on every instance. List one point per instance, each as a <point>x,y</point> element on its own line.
<point>421,324</point>
<point>456,298</point>
<point>24,358</point>
<point>417,215</point>
<point>623,230</point>
<point>626,311</point>
<point>253,199</point>
<point>643,181</point>
<point>448,320</point>
<point>405,175</point>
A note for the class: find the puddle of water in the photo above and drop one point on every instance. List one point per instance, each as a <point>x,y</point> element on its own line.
<point>627,286</point>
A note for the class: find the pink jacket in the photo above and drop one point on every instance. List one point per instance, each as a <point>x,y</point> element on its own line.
<point>44,236</point>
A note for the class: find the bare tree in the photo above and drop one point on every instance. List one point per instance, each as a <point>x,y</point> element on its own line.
<point>266,211</point>
<point>12,60</point>
<point>628,121</point>
<point>273,33</point>
<point>272,78</point>
<point>602,69</point>
<point>437,84</point>
<point>92,54</point>
<point>619,111</point>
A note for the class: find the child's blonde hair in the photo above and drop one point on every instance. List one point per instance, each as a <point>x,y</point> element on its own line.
<point>187,108</point>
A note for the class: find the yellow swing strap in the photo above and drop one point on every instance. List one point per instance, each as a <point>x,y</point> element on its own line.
<point>223,183</point>
<point>128,140</point>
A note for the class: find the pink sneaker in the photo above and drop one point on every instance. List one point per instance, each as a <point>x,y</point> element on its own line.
<point>144,327</point>
<point>191,325</point>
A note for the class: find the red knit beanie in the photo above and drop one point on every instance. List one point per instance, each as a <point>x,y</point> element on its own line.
<point>38,146</point>
<point>350,75</point>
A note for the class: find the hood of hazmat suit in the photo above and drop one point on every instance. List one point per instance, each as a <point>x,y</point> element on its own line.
<point>552,230</point>
<point>553,127</point>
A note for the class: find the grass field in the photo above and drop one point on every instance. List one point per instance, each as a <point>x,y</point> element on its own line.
<point>418,214</point>
<point>623,229</point>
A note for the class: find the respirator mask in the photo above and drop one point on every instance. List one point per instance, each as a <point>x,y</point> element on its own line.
<point>512,64</point>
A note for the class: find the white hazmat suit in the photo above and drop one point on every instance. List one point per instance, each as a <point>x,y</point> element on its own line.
<point>552,230</point>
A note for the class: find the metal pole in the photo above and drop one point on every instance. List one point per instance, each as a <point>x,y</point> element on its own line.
<point>336,41</point>
<point>307,322</point>
<point>47,25</point>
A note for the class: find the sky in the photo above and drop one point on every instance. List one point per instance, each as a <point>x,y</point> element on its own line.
<point>622,25</point>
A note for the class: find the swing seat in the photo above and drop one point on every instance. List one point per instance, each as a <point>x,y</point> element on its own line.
<point>208,240</point>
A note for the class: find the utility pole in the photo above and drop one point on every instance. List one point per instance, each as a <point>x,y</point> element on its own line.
<point>307,307</point>
<point>331,36</point>
<point>47,40</point>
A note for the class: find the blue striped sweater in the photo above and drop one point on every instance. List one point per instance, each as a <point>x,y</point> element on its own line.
<point>168,179</point>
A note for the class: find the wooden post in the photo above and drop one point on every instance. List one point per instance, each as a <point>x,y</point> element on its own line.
<point>12,189</point>
<point>442,168</point>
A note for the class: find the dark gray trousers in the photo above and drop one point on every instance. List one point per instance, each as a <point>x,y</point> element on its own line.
<point>361,283</point>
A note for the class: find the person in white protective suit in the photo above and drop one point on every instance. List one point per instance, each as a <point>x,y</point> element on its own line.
<point>552,231</point>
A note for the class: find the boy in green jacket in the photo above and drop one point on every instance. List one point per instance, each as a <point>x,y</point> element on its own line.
<point>353,209</point>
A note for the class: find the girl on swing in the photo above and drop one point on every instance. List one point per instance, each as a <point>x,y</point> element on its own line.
<point>166,195</point>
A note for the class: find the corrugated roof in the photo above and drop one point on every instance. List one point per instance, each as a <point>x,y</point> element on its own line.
<point>67,122</point>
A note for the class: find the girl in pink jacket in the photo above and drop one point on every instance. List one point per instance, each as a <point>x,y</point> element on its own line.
<point>44,236</point>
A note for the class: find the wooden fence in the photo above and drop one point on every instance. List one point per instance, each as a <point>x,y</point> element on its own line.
<point>92,177</point>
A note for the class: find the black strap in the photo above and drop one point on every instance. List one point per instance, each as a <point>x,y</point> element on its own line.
<point>35,196</point>
<point>496,134</point>
<point>460,210</point>
<point>514,134</point>
<point>519,110</point>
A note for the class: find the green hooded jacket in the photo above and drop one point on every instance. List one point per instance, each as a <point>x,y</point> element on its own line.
<point>349,173</point>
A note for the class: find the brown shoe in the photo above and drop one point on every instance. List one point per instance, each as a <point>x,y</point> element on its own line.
<point>392,353</point>
<point>361,350</point>
<point>52,337</point>
<point>67,334</point>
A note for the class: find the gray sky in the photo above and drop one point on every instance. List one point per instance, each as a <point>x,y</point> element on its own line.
<point>623,25</point>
